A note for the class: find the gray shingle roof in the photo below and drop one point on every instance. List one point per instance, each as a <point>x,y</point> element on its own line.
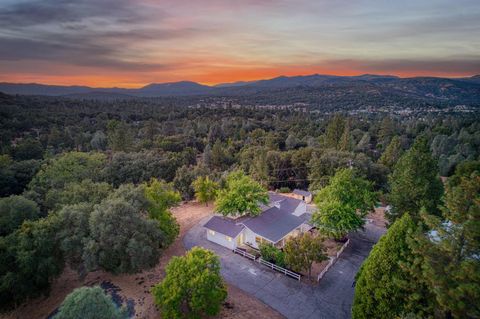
<point>301,192</point>
<point>274,223</point>
<point>277,221</point>
<point>224,226</point>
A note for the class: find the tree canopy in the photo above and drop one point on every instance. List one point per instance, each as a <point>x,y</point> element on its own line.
<point>14,210</point>
<point>303,250</point>
<point>88,303</point>
<point>414,183</point>
<point>386,286</point>
<point>205,189</point>
<point>192,287</point>
<point>343,204</point>
<point>241,195</point>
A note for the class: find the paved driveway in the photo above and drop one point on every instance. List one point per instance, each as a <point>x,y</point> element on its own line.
<point>331,299</point>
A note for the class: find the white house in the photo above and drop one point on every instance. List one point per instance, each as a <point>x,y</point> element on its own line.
<point>282,218</point>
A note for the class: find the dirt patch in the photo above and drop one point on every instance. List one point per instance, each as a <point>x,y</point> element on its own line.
<point>377,217</point>
<point>136,287</point>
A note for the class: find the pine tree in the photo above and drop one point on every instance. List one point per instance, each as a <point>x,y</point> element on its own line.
<point>414,183</point>
<point>334,131</point>
<point>449,252</point>
<point>387,285</point>
<point>392,154</point>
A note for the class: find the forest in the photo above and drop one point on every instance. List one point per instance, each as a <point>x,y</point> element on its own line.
<point>75,173</point>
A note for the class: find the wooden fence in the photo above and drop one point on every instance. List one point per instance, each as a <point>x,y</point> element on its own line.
<point>332,260</point>
<point>279,269</point>
<point>244,253</point>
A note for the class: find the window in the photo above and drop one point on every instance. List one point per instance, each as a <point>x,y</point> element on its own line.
<point>228,238</point>
<point>258,239</point>
<point>211,232</point>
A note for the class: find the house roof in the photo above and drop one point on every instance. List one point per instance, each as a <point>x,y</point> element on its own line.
<point>301,192</point>
<point>275,222</point>
<point>224,226</point>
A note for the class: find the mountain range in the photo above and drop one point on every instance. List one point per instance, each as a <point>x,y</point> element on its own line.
<point>429,87</point>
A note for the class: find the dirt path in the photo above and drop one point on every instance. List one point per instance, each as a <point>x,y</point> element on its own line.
<point>137,286</point>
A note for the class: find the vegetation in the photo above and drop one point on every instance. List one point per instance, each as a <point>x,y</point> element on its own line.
<point>88,303</point>
<point>161,197</point>
<point>193,286</point>
<point>14,210</point>
<point>93,181</point>
<point>386,283</point>
<point>343,204</point>
<point>415,183</point>
<point>302,251</point>
<point>205,189</point>
<point>242,195</point>
<point>272,254</point>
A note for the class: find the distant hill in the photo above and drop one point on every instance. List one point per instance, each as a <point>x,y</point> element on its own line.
<point>460,90</point>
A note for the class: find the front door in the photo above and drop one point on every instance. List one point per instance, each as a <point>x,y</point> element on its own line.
<point>240,239</point>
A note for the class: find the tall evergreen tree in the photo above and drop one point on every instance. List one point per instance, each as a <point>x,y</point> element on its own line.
<point>386,284</point>
<point>414,183</point>
<point>334,131</point>
<point>392,154</point>
<point>450,251</point>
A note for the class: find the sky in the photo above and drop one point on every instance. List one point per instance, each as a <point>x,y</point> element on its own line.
<point>130,43</point>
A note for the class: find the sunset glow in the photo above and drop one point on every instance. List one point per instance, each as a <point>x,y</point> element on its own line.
<point>130,43</point>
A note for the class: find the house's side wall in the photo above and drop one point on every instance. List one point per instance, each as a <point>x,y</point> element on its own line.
<point>221,239</point>
<point>308,199</point>
<point>250,237</point>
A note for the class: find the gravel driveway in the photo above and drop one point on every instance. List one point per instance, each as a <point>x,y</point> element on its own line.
<point>332,298</point>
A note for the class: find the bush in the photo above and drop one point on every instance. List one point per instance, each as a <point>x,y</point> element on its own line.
<point>272,254</point>
<point>284,190</point>
<point>88,303</point>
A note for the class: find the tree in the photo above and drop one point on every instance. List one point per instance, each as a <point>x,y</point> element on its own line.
<point>119,136</point>
<point>88,303</point>
<point>334,131</point>
<point>99,141</point>
<point>343,204</point>
<point>29,259</point>
<point>386,286</point>
<point>392,154</point>
<point>85,191</point>
<point>414,183</point>
<point>14,210</point>
<point>449,252</point>
<point>205,189</point>
<point>28,148</point>
<point>345,142</point>
<point>242,195</point>
<point>302,251</point>
<point>121,240</point>
<point>161,197</point>
<point>193,286</point>
<point>67,168</point>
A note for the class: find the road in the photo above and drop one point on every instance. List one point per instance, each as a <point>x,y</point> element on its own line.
<point>331,298</point>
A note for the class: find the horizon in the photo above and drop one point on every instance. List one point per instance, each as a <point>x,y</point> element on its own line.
<point>224,83</point>
<point>126,43</point>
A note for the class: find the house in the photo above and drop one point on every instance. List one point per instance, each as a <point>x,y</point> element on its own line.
<point>282,218</point>
<point>302,195</point>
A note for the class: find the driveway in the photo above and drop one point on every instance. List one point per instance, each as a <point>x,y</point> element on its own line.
<point>331,298</point>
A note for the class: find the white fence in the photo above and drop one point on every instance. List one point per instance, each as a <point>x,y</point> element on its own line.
<point>244,253</point>
<point>333,260</point>
<point>280,269</point>
<point>268,264</point>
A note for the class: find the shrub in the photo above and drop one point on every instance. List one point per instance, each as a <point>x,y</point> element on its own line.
<point>272,254</point>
